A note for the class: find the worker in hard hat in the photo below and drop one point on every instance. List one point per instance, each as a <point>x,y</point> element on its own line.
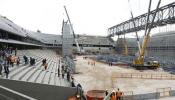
<point>118,94</point>
<point>113,95</point>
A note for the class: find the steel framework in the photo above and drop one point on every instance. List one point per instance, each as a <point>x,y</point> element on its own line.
<point>164,16</point>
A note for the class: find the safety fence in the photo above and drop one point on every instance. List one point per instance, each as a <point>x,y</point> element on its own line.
<point>160,93</point>
<point>158,76</point>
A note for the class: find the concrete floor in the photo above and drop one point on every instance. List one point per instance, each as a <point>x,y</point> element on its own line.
<point>99,77</point>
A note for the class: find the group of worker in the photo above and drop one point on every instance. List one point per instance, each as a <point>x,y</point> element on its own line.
<point>115,95</point>
<point>11,60</point>
<point>7,60</point>
<point>92,63</point>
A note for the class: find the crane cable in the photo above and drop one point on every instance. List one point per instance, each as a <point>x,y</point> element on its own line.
<point>69,22</point>
<point>137,37</point>
<point>147,20</point>
<point>75,39</point>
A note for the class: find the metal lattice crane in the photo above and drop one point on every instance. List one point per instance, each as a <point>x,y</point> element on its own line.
<point>75,38</point>
<point>140,63</point>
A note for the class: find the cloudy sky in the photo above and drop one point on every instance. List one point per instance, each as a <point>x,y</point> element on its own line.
<point>92,17</point>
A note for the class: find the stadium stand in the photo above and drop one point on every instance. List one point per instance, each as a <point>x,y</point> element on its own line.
<point>36,73</point>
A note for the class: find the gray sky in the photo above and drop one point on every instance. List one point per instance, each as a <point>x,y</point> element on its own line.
<point>92,17</point>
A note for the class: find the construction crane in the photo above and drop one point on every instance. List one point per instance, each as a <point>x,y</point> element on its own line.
<point>75,38</point>
<point>139,63</point>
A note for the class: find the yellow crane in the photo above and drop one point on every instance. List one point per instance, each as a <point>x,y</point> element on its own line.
<point>139,63</point>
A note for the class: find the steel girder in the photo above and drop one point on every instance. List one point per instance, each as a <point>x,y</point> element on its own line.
<point>164,16</point>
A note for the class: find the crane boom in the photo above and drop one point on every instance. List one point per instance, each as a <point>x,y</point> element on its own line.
<point>75,39</point>
<point>137,37</point>
<point>139,62</point>
<point>147,20</point>
<point>147,37</point>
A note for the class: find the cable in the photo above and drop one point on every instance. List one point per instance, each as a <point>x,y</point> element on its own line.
<point>147,20</point>
<point>137,37</point>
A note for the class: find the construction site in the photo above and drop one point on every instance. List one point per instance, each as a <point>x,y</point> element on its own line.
<point>70,66</point>
<point>142,67</point>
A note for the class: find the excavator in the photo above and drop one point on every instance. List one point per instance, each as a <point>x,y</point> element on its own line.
<point>139,62</point>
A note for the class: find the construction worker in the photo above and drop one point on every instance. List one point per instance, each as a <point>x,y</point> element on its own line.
<point>1,66</point>
<point>12,60</point>
<point>113,95</point>
<point>58,72</point>
<point>6,68</point>
<point>45,66</point>
<point>18,61</point>
<point>106,92</point>
<point>16,51</point>
<point>118,94</point>
<point>72,98</point>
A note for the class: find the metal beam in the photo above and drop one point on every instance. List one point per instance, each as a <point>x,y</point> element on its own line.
<point>164,16</point>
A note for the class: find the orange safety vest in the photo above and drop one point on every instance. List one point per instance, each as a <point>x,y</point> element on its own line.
<point>72,98</point>
<point>13,59</point>
<point>113,97</point>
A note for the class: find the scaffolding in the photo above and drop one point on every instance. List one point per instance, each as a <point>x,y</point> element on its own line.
<point>67,40</point>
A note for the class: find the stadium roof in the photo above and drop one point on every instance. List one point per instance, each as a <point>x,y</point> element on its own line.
<point>8,25</point>
<point>17,42</point>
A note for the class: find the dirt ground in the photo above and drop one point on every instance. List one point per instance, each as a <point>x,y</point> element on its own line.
<point>99,77</point>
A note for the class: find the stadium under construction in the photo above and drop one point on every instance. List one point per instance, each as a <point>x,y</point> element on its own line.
<point>41,66</point>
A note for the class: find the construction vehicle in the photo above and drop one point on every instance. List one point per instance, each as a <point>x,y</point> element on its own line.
<point>139,62</point>
<point>79,50</point>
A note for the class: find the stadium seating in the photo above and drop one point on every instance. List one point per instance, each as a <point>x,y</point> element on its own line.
<point>37,73</point>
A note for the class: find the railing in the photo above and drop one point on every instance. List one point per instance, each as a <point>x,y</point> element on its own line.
<point>160,93</point>
<point>164,92</point>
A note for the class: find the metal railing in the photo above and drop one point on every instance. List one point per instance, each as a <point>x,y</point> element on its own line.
<point>158,76</point>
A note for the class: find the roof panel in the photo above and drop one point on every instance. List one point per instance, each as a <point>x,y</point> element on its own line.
<point>7,25</point>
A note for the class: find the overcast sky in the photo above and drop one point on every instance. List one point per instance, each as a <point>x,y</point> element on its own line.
<point>91,17</point>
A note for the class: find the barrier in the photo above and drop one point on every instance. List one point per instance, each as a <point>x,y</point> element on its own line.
<point>127,95</point>
<point>160,93</point>
<point>158,76</point>
<point>164,92</point>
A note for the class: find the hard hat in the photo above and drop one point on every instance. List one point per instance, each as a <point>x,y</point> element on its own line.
<point>113,90</point>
